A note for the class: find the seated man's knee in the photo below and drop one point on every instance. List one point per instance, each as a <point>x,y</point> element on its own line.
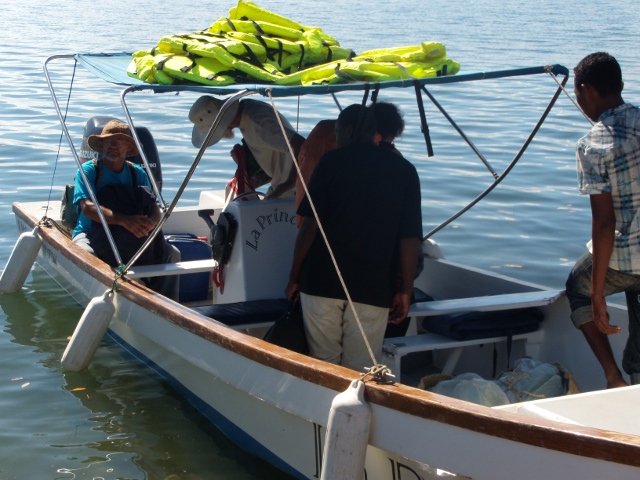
<point>172,254</point>
<point>82,241</point>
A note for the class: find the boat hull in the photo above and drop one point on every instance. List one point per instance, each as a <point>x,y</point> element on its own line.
<point>275,403</point>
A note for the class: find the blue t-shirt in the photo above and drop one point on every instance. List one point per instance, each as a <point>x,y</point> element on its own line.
<point>107,177</point>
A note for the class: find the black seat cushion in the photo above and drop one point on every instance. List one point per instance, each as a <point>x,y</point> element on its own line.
<point>243,313</point>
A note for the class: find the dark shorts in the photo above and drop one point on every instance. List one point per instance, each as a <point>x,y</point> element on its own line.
<point>579,295</point>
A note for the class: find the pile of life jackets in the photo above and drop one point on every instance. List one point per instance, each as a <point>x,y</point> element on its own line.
<point>255,45</point>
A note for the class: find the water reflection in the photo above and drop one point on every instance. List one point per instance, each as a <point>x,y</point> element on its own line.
<point>115,420</point>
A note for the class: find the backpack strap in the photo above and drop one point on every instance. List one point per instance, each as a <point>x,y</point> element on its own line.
<point>134,181</point>
<point>98,167</point>
<point>132,172</point>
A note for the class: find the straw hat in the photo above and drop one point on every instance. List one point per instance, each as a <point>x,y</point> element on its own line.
<point>202,114</point>
<point>113,128</point>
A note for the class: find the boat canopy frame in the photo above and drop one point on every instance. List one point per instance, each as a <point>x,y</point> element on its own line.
<point>112,67</point>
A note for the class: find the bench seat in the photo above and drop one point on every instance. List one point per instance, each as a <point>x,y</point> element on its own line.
<point>486,303</point>
<point>398,347</point>
<point>179,268</point>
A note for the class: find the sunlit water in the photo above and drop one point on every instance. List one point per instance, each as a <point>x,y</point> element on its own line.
<point>117,420</point>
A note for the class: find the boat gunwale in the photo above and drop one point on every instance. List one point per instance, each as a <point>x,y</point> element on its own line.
<point>543,433</point>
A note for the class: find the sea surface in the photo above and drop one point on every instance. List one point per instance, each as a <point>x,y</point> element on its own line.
<point>117,420</point>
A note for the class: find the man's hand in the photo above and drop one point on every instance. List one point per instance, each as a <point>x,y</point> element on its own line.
<point>139,225</point>
<point>238,153</point>
<point>400,309</point>
<point>291,290</point>
<point>601,317</point>
<point>282,188</point>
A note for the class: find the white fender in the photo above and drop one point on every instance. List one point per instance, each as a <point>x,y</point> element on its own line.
<point>347,435</point>
<point>20,262</point>
<point>88,333</point>
<point>431,249</point>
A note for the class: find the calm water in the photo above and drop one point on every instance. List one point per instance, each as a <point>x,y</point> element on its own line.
<point>117,420</point>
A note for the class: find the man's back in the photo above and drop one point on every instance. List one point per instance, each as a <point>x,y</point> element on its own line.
<point>367,199</point>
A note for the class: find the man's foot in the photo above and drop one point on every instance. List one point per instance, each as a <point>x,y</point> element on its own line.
<point>616,381</point>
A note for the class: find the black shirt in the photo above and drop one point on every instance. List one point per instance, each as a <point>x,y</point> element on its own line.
<point>367,198</point>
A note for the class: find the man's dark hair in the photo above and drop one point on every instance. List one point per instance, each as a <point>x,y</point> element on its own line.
<point>600,70</point>
<point>389,121</point>
<point>360,119</point>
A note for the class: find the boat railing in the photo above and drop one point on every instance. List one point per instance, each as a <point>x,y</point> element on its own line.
<point>114,73</point>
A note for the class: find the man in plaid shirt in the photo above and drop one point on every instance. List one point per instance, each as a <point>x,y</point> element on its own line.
<point>608,164</point>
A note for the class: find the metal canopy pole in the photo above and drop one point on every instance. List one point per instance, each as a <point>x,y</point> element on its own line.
<point>504,174</point>
<point>423,119</point>
<point>460,132</point>
<point>214,126</point>
<point>75,154</point>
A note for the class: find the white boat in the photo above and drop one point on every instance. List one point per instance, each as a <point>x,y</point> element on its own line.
<point>275,403</point>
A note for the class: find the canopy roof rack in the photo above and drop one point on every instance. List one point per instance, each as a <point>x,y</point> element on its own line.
<point>112,67</point>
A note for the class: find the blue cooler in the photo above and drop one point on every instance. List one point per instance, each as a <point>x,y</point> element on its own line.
<point>194,287</point>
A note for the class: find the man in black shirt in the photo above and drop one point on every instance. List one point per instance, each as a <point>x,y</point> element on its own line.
<point>368,203</point>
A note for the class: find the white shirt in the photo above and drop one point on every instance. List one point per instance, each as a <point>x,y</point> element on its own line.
<point>263,134</point>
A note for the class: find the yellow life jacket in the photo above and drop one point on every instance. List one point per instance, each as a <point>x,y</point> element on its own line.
<point>341,71</point>
<point>267,43</point>
<point>143,66</point>
<point>249,10</point>
<point>208,45</point>
<point>246,57</point>
<point>254,43</point>
<point>425,52</point>
<point>385,71</point>
<point>224,26</point>
<point>283,54</point>
<point>320,74</point>
<point>207,71</point>
<point>133,71</point>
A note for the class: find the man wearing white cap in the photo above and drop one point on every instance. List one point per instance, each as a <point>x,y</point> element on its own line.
<point>262,134</point>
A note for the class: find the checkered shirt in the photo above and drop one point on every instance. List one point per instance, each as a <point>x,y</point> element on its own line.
<point>608,161</point>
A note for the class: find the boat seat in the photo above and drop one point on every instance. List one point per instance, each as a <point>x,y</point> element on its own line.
<point>485,303</point>
<point>245,315</point>
<point>396,348</point>
<point>179,268</point>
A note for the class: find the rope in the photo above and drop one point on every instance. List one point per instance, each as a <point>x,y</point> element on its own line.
<point>55,165</point>
<point>322,232</point>
<point>46,222</point>
<point>568,95</point>
<point>120,272</point>
<point>380,374</point>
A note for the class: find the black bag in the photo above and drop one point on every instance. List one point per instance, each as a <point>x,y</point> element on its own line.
<point>288,330</point>
<point>222,236</point>
<point>68,210</point>
<point>124,199</point>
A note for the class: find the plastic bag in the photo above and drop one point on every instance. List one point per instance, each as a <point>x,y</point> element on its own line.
<point>472,388</point>
<point>532,380</point>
